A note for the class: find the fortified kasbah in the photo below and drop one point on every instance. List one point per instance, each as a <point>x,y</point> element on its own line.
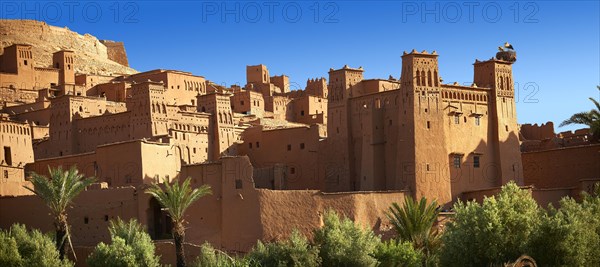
<point>276,159</point>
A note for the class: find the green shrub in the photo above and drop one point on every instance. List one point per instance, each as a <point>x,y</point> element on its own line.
<point>9,253</point>
<point>295,251</point>
<point>393,253</point>
<point>569,236</point>
<point>211,257</point>
<point>342,243</point>
<point>131,246</point>
<point>32,248</point>
<point>494,232</point>
<point>117,254</point>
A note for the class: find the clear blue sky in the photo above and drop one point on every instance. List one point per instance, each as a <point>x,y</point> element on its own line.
<point>558,42</point>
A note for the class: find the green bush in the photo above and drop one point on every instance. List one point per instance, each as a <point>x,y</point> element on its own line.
<point>117,254</point>
<point>494,232</point>
<point>131,246</point>
<point>393,253</point>
<point>569,236</point>
<point>9,253</point>
<point>342,243</point>
<point>295,251</point>
<point>211,257</point>
<point>19,247</point>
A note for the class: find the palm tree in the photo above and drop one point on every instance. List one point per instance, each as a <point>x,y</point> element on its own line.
<point>128,230</point>
<point>590,118</point>
<point>414,222</point>
<point>58,192</point>
<point>176,198</point>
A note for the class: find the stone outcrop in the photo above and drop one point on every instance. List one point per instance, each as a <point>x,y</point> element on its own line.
<point>91,55</point>
<point>116,52</point>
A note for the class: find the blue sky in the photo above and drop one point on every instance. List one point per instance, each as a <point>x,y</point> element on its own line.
<point>558,42</point>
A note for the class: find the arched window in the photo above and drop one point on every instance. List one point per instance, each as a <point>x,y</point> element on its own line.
<point>418,78</point>
<point>423,78</point>
<point>429,82</point>
<point>435,78</point>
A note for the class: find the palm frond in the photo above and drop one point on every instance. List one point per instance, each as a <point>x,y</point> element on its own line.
<point>414,222</point>
<point>59,191</point>
<point>578,118</point>
<point>176,197</point>
<point>590,118</point>
<point>596,103</point>
<point>125,230</point>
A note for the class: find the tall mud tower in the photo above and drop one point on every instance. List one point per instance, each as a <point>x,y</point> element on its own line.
<point>422,149</point>
<point>496,74</point>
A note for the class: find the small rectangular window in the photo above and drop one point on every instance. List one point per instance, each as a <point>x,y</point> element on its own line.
<point>250,145</point>
<point>292,170</point>
<point>456,161</point>
<point>476,163</point>
<point>25,62</point>
<point>289,147</point>
<point>238,184</point>
<point>257,144</point>
<point>456,119</point>
<point>301,145</point>
<point>428,125</point>
<point>5,174</point>
<point>477,121</point>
